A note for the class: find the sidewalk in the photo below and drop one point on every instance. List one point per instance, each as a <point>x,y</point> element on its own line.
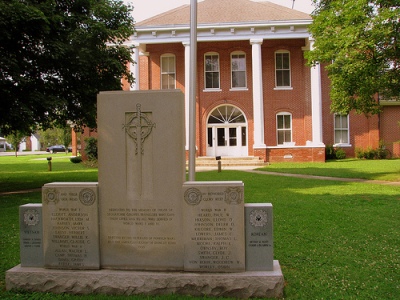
<point>252,169</point>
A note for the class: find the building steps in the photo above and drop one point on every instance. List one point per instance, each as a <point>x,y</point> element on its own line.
<point>208,161</point>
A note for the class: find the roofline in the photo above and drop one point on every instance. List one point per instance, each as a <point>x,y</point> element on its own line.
<point>223,25</point>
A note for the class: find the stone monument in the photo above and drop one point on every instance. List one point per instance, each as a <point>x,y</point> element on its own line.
<point>142,229</point>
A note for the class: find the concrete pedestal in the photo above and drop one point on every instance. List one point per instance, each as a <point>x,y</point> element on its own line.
<point>258,284</point>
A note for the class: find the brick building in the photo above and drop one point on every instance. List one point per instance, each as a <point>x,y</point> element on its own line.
<point>255,94</point>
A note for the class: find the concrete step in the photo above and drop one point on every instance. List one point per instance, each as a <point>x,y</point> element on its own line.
<point>205,161</point>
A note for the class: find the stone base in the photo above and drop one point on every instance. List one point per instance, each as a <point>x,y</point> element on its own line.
<point>115,282</point>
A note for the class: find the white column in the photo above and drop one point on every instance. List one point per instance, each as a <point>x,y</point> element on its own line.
<point>316,103</point>
<point>187,92</point>
<point>135,67</point>
<point>258,111</point>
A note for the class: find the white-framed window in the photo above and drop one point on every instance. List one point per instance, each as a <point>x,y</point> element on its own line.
<point>211,71</point>
<point>282,69</point>
<point>284,128</point>
<point>341,125</point>
<point>168,72</point>
<point>238,70</point>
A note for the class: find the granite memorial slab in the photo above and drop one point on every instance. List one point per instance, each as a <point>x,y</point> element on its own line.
<point>31,235</point>
<point>71,225</point>
<point>141,172</point>
<point>214,226</point>
<point>259,237</point>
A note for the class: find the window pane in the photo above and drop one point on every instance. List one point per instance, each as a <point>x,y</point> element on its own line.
<point>287,122</point>
<point>239,79</point>
<point>285,61</point>
<point>288,137</point>
<point>244,136</point>
<point>232,137</point>
<point>286,78</point>
<point>280,137</point>
<point>221,136</point>
<point>280,122</point>
<point>212,63</point>
<point>279,61</point>
<point>209,137</point>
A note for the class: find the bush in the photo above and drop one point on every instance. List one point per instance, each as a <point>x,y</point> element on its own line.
<point>76,159</point>
<point>379,153</point>
<point>91,148</point>
<point>340,154</point>
<point>330,152</point>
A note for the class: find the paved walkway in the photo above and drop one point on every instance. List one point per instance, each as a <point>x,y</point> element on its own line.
<point>251,169</point>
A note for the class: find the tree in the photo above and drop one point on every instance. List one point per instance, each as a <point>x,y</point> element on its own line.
<point>15,139</point>
<point>56,55</point>
<point>359,42</point>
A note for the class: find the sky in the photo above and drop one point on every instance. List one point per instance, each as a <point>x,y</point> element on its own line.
<point>144,9</point>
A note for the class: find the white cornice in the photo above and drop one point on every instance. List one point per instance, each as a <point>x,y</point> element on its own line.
<point>222,32</point>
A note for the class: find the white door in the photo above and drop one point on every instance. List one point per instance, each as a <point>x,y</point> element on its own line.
<point>226,132</point>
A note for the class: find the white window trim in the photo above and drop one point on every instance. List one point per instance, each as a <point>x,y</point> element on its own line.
<point>344,145</point>
<point>245,71</point>
<point>288,87</point>
<point>285,113</point>
<point>219,72</point>
<point>161,71</point>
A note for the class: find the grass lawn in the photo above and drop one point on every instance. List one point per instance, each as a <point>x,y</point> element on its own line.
<point>387,169</point>
<point>334,240</point>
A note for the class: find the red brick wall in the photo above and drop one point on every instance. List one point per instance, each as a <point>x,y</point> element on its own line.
<point>364,132</point>
<point>390,127</point>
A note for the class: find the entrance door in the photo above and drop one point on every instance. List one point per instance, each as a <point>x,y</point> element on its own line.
<point>227,132</point>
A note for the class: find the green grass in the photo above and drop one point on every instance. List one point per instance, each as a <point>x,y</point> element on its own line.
<point>386,169</point>
<point>333,239</point>
<point>31,171</point>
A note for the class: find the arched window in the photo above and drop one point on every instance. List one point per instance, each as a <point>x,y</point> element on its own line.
<point>168,72</point>
<point>226,114</point>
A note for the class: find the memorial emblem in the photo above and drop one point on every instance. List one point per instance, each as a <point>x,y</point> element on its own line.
<point>51,196</point>
<point>258,218</point>
<point>87,197</point>
<point>138,127</point>
<point>233,195</point>
<point>31,217</point>
<point>192,196</point>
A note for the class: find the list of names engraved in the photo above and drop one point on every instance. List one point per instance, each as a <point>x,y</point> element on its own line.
<point>70,228</point>
<point>214,227</point>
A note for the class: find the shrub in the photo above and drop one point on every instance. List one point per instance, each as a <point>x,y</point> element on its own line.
<point>91,148</point>
<point>76,159</point>
<point>340,154</point>
<point>329,152</point>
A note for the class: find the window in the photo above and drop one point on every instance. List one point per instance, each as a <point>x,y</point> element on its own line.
<point>211,70</point>
<point>282,69</point>
<point>238,69</point>
<point>168,74</point>
<point>341,129</point>
<point>284,128</point>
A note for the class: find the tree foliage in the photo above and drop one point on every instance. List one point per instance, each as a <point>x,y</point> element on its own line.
<point>55,56</point>
<point>359,42</point>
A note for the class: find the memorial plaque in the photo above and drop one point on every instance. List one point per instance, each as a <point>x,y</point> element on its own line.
<point>259,237</point>
<point>31,235</point>
<point>71,225</point>
<point>214,226</point>
<point>141,172</point>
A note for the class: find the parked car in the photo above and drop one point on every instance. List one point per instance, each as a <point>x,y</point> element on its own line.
<point>56,148</point>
